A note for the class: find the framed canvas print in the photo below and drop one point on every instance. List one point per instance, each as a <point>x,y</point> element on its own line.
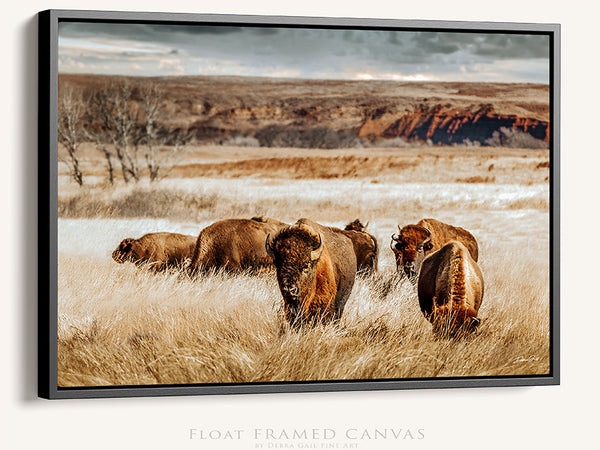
<point>248,204</point>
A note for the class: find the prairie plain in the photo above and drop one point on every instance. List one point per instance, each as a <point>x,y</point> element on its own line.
<point>119,325</point>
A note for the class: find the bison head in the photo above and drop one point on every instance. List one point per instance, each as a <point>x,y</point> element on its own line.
<point>410,246</point>
<point>124,252</point>
<point>356,226</point>
<point>295,251</point>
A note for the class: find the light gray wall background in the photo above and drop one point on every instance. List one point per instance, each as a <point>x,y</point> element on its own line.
<point>533,418</point>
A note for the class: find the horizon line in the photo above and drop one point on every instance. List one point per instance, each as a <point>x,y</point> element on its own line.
<point>265,77</point>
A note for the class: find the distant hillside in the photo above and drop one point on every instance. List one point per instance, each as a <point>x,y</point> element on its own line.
<point>336,114</point>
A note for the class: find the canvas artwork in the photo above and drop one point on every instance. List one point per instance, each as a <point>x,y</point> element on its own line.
<point>254,204</point>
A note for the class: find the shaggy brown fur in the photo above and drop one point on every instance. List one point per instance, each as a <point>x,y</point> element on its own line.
<point>356,226</point>
<point>158,251</point>
<point>234,245</point>
<point>414,242</point>
<point>451,289</point>
<point>269,220</point>
<point>316,267</point>
<point>365,247</point>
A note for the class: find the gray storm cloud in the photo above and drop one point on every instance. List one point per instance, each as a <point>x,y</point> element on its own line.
<point>142,49</point>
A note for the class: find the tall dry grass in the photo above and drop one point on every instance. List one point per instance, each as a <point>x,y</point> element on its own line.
<point>121,326</point>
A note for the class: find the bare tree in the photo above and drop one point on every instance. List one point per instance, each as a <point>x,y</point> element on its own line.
<point>116,117</point>
<point>152,101</point>
<point>153,104</point>
<point>179,140</point>
<point>98,132</point>
<point>71,131</point>
<point>101,145</point>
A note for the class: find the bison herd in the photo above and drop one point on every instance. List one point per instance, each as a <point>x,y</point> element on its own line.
<point>316,265</point>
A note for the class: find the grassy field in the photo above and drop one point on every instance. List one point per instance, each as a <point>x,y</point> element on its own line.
<point>121,325</point>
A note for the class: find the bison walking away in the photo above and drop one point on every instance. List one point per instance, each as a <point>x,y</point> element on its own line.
<point>414,242</point>
<point>159,251</point>
<point>365,247</point>
<point>450,289</point>
<point>234,245</point>
<point>316,267</point>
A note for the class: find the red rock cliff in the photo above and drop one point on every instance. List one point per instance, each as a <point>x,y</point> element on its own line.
<point>447,125</point>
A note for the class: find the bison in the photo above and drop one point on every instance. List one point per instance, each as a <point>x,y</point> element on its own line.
<point>158,251</point>
<point>316,267</point>
<point>234,245</point>
<point>450,289</point>
<point>365,247</point>
<point>414,242</point>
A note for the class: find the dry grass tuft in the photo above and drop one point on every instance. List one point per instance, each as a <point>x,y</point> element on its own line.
<point>476,179</point>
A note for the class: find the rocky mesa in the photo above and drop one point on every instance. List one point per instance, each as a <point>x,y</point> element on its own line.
<point>337,114</point>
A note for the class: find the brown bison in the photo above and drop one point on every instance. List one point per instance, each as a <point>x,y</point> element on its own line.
<point>450,289</point>
<point>414,242</point>
<point>365,247</point>
<point>158,251</point>
<point>234,245</point>
<point>316,267</point>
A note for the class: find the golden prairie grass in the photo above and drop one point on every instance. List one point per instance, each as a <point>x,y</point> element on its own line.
<point>119,325</point>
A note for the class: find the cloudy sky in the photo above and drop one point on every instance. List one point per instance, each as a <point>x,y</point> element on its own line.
<point>152,49</point>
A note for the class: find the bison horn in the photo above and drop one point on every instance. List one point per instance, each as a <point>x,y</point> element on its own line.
<point>428,238</point>
<point>269,246</point>
<point>316,254</point>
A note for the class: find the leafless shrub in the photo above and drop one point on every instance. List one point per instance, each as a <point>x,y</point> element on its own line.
<point>316,137</point>
<point>470,143</point>
<point>514,138</point>
<point>397,142</point>
<point>153,137</point>
<point>152,100</point>
<point>242,141</point>
<point>113,118</point>
<point>71,132</point>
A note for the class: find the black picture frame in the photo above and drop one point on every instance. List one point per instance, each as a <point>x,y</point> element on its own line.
<point>48,196</point>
